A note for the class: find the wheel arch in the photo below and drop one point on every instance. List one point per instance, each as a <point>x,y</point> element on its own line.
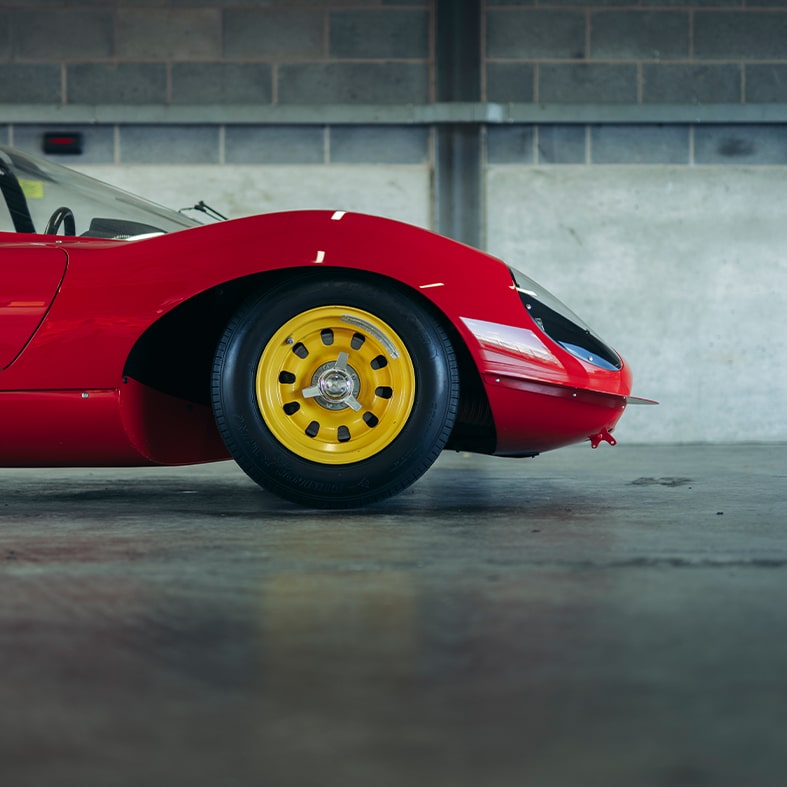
<point>175,354</point>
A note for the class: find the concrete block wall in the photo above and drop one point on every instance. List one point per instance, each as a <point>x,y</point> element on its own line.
<point>636,51</point>
<point>231,52</point>
<point>224,55</point>
<point>738,144</point>
<point>665,233</point>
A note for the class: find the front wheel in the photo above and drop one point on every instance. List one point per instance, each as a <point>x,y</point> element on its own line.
<point>335,393</point>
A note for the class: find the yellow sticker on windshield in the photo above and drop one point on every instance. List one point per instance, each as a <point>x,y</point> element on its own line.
<point>32,189</point>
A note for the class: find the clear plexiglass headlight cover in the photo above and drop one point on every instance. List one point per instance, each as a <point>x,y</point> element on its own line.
<point>558,322</point>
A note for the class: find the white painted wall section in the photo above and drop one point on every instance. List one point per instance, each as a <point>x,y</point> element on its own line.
<point>682,269</point>
<point>398,192</point>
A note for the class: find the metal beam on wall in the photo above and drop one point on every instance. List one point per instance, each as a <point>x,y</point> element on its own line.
<point>459,145</point>
<point>441,112</point>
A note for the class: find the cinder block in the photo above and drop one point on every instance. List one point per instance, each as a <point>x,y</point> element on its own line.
<point>510,82</point>
<point>274,144</point>
<point>561,144</point>
<point>535,34</point>
<point>753,35</point>
<point>267,34</point>
<point>378,35</point>
<point>691,84</point>
<point>169,144</point>
<point>639,144</point>
<point>353,83</point>
<point>30,83</point>
<point>98,142</point>
<point>740,144</point>
<point>510,144</point>
<point>193,34</point>
<point>379,144</point>
<point>52,34</point>
<point>121,83</point>
<point>221,83</point>
<point>587,83</point>
<point>766,83</point>
<point>636,35</point>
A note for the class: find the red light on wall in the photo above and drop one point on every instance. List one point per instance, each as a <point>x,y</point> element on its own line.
<point>62,143</point>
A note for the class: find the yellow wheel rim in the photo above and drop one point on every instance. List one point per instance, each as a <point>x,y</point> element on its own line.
<point>335,385</point>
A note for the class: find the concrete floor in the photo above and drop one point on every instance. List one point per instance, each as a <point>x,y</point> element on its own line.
<point>586,618</point>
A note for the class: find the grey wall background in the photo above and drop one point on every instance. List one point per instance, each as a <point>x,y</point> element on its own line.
<point>630,154</point>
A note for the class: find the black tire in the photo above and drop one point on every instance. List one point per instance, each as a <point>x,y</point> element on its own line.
<point>400,405</point>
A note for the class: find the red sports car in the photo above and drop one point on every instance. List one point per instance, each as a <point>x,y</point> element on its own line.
<point>333,355</point>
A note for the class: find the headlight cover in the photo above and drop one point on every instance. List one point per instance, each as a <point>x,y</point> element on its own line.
<point>558,322</point>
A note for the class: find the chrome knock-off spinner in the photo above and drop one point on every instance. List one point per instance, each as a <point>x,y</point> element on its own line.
<point>335,385</point>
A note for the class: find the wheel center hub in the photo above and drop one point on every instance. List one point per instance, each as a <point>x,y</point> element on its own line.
<point>335,388</point>
<point>335,384</point>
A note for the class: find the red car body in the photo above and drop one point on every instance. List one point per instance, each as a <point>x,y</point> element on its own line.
<point>106,344</point>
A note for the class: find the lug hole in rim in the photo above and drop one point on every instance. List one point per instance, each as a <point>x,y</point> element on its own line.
<point>300,350</point>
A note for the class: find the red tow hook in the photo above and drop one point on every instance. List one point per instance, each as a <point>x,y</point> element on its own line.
<point>602,437</point>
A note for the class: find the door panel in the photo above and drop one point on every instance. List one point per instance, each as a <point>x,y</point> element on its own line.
<point>29,279</point>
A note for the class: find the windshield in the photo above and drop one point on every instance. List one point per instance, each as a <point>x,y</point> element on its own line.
<point>42,197</point>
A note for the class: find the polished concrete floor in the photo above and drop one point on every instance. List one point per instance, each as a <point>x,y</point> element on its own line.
<point>587,618</point>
